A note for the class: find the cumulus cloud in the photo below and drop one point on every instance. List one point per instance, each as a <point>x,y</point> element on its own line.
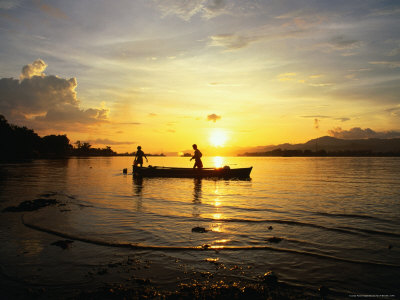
<point>38,98</point>
<point>359,133</point>
<point>213,117</point>
<point>34,69</point>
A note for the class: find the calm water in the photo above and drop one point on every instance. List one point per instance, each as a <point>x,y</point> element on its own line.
<point>338,218</point>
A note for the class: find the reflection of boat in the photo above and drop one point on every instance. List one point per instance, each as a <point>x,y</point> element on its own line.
<point>225,172</point>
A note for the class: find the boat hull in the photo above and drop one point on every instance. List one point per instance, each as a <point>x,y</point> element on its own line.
<point>192,173</point>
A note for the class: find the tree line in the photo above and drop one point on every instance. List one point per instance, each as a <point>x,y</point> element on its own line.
<point>20,142</point>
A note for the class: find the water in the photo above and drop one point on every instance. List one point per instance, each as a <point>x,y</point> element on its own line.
<point>338,219</point>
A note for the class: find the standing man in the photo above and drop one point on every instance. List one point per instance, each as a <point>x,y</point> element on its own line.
<point>139,157</point>
<point>197,157</point>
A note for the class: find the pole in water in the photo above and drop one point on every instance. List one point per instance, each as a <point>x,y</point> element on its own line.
<point>125,171</point>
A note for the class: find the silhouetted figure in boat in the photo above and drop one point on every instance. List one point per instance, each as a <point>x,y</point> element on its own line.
<point>139,157</point>
<point>197,157</point>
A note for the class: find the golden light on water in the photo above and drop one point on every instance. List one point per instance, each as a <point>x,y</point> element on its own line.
<point>218,161</point>
<point>218,137</point>
<point>217,216</point>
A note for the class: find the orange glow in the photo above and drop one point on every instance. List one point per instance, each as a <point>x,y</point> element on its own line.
<point>218,161</point>
<point>218,137</point>
<point>217,228</point>
<point>217,216</point>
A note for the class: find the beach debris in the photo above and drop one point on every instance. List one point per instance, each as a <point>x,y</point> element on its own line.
<point>199,229</point>
<point>64,244</point>
<point>206,246</point>
<point>323,291</point>
<point>270,228</point>
<point>270,278</point>
<point>143,281</point>
<point>31,205</point>
<point>213,260</point>
<point>275,239</point>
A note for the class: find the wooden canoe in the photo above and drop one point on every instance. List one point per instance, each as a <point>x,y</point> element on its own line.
<point>225,172</point>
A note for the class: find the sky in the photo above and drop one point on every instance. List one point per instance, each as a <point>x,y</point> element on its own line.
<point>165,74</point>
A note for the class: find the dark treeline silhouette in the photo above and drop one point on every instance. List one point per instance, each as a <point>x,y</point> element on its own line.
<point>20,142</point>
<point>85,149</point>
<point>322,152</point>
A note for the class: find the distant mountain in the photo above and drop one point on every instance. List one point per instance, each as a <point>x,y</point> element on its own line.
<point>331,144</point>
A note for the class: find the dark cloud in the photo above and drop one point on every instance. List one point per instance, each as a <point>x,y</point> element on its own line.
<point>342,119</point>
<point>359,133</point>
<point>343,43</point>
<point>38,99</point>
<point>213,117</point>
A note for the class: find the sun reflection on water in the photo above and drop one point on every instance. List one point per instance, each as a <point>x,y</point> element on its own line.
<point>217,216</point>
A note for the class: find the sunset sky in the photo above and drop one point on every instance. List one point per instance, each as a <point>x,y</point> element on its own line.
<point>165,74</point>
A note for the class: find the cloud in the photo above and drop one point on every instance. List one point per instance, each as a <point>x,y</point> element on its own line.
<point>359,133</point>
<point>187,9</point>
<point>394,111</point>
<point>390,64</point>
<point>342,44</point>
<point>110,142</point>
<point>38,99</point>
<point>9,4</point>
<point>213,117</point>
<point>342,119</point>
<point>51,10</point>
<point>34,69</point>
<point>231,41</point>
<point>316,117</point>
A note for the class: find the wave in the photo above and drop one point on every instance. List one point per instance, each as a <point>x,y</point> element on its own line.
<point>205,247</point>
<point>353,216</point>
<point>375,232</point>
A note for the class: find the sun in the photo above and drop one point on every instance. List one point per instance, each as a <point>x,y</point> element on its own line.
<point>218,137</point>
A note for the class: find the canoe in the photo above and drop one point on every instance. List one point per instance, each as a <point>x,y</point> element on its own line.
<point>225,172</point>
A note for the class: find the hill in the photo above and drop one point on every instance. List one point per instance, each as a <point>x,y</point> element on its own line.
<point>332,145</point>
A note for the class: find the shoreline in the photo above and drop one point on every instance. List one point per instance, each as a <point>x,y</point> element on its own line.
<point>129,274</point>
